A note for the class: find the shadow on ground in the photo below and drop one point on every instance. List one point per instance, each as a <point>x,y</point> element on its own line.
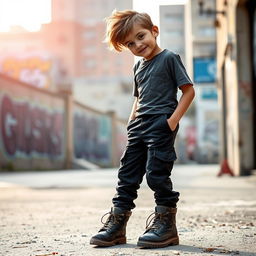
<point>177,250</point>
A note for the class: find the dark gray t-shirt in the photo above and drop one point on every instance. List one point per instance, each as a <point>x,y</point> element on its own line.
<point>156,82</point>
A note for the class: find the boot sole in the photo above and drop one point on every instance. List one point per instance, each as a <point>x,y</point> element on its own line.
<point>168,242</point>
<point>121,240</point>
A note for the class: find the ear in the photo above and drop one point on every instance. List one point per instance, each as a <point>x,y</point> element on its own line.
<point>155,31</point>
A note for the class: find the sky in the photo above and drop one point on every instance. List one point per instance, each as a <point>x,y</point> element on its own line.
<point>30,14</point>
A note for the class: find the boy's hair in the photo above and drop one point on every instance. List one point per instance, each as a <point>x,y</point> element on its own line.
<point>120,24</point>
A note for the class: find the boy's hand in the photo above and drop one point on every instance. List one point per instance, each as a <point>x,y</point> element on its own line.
<point>172,124</point>
<point>188,94</point>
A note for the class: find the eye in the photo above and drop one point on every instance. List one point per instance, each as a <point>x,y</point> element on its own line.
<point>130,44</point>
<point>140,36</point>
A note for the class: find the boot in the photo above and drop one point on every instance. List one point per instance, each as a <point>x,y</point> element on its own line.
<point>114,230</point>
<point>162,232</point>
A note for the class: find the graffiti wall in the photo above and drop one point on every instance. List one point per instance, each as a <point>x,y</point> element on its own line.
<point>34,69</point>
<point>32,128</point>
<point>92,135</point>
<point>121,137</point>
<point>42,130</point>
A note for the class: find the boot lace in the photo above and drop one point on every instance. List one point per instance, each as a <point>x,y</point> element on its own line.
<point>154,221</point>
<point>111,220</point>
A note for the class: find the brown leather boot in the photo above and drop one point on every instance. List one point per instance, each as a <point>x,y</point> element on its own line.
<point>162,232</point>
<point>114,230</point>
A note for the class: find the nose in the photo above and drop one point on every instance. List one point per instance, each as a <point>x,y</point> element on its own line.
<point>138,44</point>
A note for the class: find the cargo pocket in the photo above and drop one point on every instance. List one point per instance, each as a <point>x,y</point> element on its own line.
<point>163,160</point>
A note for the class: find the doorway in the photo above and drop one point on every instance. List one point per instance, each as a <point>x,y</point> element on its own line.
<point>246,68</point>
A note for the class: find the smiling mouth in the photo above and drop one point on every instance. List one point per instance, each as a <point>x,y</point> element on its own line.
<point>142,50</point>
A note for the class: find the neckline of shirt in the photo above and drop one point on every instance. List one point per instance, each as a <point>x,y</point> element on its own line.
<point>147,61</point>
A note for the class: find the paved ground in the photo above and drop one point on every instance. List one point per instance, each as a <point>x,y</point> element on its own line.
<point>56,213</point>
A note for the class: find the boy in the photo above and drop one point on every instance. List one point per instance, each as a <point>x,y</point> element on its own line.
<point>152,129</point>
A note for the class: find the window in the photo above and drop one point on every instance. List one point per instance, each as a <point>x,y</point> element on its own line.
<point>206,49</point>
<point>173,18</point>
<point>173,33</point>
<point>90,49</point>
<point>90,34</point>
<point>177,49</point>
<point>206,31</point>
<point>90,63</point>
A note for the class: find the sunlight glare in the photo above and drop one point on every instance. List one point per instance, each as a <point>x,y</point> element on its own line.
<point>29,14</point>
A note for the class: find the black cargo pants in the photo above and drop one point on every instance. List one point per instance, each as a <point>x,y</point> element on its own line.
<point>150,151</point>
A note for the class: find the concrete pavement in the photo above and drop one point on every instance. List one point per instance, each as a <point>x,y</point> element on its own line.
<point>56,213</point>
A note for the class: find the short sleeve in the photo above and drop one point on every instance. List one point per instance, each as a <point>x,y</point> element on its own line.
<point>179,71</point>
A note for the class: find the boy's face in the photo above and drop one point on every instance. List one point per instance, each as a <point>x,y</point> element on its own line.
<point>142,42</point>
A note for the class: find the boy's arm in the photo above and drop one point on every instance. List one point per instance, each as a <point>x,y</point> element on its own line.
<point>134,107</point>
<point>188,93</point>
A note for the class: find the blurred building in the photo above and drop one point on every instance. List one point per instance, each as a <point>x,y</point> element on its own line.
<point>104,79</point>
<point>175,34</point>
<point>204,76</point>
<point>91,57</point>
<point>25,56</point>
<point>236,65</point>
<point>193,37</point>
<point>69,52</point>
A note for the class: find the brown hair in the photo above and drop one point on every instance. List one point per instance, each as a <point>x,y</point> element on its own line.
<point>120,24</point>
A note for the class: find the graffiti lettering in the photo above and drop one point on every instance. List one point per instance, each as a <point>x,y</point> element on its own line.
<point>121,138</point>
<point>34,70</point>
<point>28,129</point>
<point>91,141</point>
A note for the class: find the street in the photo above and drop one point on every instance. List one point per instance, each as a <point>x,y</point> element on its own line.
<point>56,213</point>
